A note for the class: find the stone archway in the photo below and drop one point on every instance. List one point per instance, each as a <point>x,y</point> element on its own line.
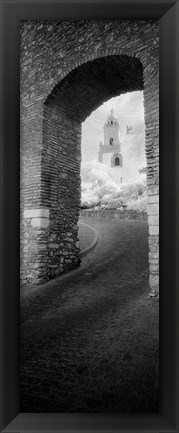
<point>53,117</point>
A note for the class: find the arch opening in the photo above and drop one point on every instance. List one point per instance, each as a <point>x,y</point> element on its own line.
<point>116,161</point>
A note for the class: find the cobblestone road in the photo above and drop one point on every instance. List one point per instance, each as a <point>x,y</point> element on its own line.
<point>89,342</point>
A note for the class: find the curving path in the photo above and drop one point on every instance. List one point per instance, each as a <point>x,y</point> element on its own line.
<point>89,341</point>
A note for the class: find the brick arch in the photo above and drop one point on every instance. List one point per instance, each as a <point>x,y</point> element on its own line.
<point>106,76</point>
<point>93,55</point>
<point>51,119</point>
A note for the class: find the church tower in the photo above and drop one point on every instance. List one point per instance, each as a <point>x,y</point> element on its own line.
<point>110,152</point>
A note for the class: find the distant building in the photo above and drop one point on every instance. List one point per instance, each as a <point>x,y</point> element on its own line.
<point>110,152</point>
<point>129,130</point>
<point>143,170</point>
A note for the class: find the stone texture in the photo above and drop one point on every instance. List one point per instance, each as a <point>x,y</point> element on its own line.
<point>68,69</point>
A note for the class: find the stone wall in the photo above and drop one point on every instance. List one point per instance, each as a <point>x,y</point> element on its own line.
<point>114,213</point>
<point>68,69</point>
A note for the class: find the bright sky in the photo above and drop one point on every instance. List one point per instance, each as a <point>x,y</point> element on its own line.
<point>129,110</point>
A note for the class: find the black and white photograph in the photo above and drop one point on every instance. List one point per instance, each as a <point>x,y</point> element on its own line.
<point>89,216</point>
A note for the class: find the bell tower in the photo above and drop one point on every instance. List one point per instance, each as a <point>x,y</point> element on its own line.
<point>110,152</point>
<point>111,131</point>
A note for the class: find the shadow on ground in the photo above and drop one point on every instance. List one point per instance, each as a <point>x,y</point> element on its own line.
<point>90,343</point>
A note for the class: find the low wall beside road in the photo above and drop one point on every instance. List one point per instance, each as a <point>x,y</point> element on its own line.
<point>106,213</point>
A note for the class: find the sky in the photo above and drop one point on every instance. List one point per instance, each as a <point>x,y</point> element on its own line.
<point>129,110</point>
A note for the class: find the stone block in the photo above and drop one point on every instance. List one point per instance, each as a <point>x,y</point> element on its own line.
<point>63,176</point>
<point>154,280</point>
<point>152,209</point>
<point>40,222</point>
<point>154,255</point>
<point>154,291</point>
<point>153,230</point>
<point>154,268</point>
<point>153,191</point>
<point>36,213</point>
<point>153,220</point>
<point>42,247</point>
<point>54,246</point>
<point>153,199</point>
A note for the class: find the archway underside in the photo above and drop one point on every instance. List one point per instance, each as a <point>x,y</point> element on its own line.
<point>88,86</point>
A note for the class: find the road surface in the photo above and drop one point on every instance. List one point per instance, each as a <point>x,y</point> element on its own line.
<point>89,342</point>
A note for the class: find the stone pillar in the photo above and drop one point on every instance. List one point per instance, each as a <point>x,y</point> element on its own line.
<point>34,220</point>
<point>50,195</point>
<point>34,235</point>
<point>61,187</point>
<point>153,223</point>
<point>151,108</point>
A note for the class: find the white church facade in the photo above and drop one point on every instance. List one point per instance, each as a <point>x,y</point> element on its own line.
<point>110,152</point>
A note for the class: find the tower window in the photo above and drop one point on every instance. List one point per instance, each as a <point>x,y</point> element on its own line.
<point>111,141</point>
<point>111,122</point>
<point>116,161</point>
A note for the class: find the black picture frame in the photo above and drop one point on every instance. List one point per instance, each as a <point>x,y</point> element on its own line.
<point>168,14</point>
